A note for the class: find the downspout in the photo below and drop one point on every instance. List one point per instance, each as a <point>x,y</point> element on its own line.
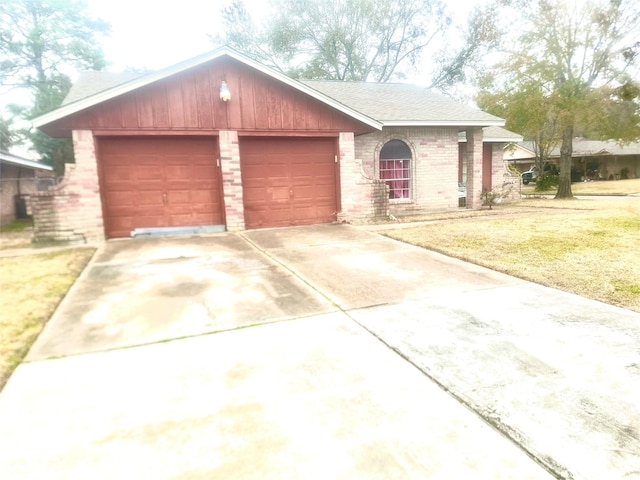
<point>18,180</point>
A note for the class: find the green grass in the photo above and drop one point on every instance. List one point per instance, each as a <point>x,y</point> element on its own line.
<point>16,226</point>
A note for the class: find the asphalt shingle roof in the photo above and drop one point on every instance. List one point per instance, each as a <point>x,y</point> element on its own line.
<point>91,83</point>
<point>398,102</point>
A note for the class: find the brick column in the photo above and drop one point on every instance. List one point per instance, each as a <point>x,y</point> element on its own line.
<point>231,180</point>
<point>348,176</point>
<point>362,197</point>
<point>474,167</point>
<point>71,212</point>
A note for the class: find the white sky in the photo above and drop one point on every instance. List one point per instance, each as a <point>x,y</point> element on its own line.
<point>154,34</point>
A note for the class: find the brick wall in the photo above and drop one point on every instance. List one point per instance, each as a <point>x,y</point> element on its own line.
<point>474,167</point>
<point>231,180</point>
<point>13,180</point>
<point>508,184</point>
<point>363,196</point>
<point>434,166</point>
<point>71,212</point>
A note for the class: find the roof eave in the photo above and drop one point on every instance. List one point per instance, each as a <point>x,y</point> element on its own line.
<point>26,163</point>
<point>503,139</point>
<point>443,123</point>
<point>127,87</point>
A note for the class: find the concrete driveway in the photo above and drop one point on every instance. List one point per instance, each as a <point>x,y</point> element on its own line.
<point>323,352</point>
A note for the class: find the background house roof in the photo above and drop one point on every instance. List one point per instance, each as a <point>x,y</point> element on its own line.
<point>592,148</point>
<point>9,158</point>
<point>403,104</point>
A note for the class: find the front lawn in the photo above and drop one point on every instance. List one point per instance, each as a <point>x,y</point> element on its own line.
<point>601,187</point>
<point>31,286</point>
<point>589,247</point>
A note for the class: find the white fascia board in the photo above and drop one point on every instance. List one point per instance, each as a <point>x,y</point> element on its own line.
<point>443,123</point>
<point>494,140</point>
<point>127,87</point>
<point>503,140</point>
<point>28,164</point>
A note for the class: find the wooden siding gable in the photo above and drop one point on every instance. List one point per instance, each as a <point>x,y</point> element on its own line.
<point>189,101</point>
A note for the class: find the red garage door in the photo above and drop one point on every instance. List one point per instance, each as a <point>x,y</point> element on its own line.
<point>159,182</point>
<point>288,181</point>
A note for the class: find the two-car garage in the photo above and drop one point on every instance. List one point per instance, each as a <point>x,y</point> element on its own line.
<point>165,152</point>
<point>155,182</point>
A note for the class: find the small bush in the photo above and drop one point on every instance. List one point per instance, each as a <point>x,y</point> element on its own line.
<point>546,182</point>
<point>490,198</point>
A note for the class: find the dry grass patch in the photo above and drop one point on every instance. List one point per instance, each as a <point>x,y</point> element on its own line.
<point>588,247</point>
<point>31,286</point>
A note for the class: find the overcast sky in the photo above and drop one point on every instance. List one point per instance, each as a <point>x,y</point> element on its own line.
<point>154,34</point>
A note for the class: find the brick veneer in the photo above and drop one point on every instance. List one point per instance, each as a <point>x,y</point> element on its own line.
<point>508,184</point>
<point>231,180</point>
<point>474,167</point>
<point>434,166</point>
<point>71,211</point>
<point>363,196</point>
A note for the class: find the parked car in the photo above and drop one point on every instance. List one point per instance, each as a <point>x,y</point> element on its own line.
<point>531,174</point>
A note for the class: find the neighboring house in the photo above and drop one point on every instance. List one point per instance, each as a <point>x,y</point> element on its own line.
<point>605,160</point>
<point>19,178</point>
<point>591,159</point>
<point>223,142</point>
<point>521,155</point>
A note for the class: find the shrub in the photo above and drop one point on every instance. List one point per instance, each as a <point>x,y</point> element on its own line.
<point>547,182</point>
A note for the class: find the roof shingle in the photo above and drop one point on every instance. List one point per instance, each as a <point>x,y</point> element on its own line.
<point>398,102</point>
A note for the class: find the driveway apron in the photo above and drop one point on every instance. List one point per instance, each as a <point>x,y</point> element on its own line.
<point>320,352</point>
<point>557,373</point>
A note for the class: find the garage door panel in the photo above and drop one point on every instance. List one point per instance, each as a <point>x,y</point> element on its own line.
<point>117,198</point>
<point>288,181</point>
<point>279,194</point>
<point>157,182</point>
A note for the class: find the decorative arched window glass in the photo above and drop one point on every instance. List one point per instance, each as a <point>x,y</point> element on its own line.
<point>395,168</point>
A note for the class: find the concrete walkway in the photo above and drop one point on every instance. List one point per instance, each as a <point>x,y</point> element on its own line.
<point>320,352</point>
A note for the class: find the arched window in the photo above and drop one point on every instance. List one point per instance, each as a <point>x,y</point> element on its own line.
<point>395,168</point>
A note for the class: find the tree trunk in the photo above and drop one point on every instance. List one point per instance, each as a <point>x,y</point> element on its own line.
<point>566,150</point>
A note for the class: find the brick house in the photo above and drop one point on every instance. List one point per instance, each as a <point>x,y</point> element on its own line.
<point>222,142</point>
<point>19,179</point>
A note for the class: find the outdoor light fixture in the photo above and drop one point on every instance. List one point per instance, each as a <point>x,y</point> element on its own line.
<point>225,94</point>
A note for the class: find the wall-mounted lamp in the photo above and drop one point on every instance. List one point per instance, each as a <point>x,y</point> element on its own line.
<point>225,94</point>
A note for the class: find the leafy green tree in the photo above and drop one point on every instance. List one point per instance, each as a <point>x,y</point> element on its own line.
<point>352,40</point>
<point>463,65</point>
<point>580,56</point>
<point>528,111</point>
<point>42,43</point>
<point>8,134</point>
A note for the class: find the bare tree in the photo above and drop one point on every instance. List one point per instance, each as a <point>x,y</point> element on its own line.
<point>355,40</point>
